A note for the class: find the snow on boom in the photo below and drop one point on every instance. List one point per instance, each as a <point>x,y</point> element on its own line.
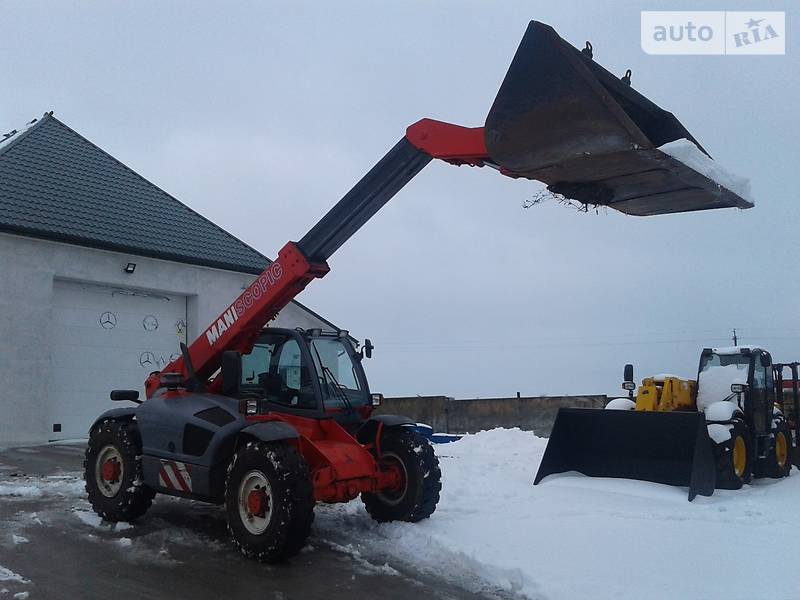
<point>244,302</point>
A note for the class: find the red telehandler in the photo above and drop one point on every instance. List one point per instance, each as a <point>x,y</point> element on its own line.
<point>270,421</point>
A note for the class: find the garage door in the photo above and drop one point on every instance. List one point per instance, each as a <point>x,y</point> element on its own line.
<point>107,338</point>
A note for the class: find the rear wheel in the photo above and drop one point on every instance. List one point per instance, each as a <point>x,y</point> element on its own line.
<point>113,472</point>
<point>733,459</point>
<point>778,462</point>
<point>407,451</point>
<point>269,501</point>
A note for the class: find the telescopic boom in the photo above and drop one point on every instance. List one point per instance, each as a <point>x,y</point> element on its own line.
<point>559,118</point>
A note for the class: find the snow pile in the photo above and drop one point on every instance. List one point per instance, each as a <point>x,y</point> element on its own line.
<point>20,490</point>
<point>735,349</point>
<point>92,519</point>
<point>362,565</point>
<point>621,404</point>
<point>472,532</point>
<point>661,377</point>
<point>70,486</point>
<point>154,539</point>
<point>577,537</point>
<point>689,154</point>
<point>719,432</point>
<point>9,575</point>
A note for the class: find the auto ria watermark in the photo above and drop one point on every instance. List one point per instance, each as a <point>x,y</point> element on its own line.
<point>713,32</point>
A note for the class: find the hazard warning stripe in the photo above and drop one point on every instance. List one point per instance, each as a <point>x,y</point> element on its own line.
<point>172,477</point>
<point>175,475</point>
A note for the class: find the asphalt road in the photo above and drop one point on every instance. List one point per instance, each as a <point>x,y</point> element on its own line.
<point>180,549</point>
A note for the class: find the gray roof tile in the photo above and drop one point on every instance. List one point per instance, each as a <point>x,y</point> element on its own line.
<point>55,184</point>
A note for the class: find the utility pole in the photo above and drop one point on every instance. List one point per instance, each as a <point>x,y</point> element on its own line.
<point>735,339</point>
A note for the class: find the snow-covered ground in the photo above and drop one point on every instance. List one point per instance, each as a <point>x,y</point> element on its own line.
<point>493,532</point>
<point>577,537</point>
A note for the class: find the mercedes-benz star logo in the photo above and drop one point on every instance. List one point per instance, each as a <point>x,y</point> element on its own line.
<point>108,320</point>
<point>147,359</point>
<point>150,323</point>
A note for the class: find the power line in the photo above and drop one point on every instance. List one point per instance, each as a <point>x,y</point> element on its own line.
<point>483,346</point>
<point>619,337</point>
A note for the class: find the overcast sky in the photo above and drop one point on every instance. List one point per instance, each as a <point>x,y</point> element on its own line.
<point>260,116</point>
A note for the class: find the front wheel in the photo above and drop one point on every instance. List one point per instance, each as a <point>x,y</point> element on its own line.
<point>113,472</point>
<point>417,497</point>
<point>269,501</point>
<point>733,458</point>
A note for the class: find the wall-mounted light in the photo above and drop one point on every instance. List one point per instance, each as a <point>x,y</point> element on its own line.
<point>130,268</point>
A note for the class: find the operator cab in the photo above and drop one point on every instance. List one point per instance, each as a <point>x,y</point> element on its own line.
<point>742,374</point>
<point>304,372</point>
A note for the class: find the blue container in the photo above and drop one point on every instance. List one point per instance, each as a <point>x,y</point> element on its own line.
<point>424,430</point>
<point>445,438</point>
<point>435,438</point>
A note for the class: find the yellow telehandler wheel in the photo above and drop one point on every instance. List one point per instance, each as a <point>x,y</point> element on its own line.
<point>778,463</point>
<point>733,459</point>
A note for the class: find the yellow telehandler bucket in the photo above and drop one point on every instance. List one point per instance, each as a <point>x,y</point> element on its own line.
<point>663,447</point>
<point>562,119</point>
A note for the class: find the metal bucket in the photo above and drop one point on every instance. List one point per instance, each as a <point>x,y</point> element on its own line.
<point>562,119</point>
<point>671,448</point>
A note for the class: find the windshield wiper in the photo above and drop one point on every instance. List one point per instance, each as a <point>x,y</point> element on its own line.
<point>339,388</point>
<point>326,372</point>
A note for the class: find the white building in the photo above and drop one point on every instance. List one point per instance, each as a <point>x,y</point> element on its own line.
<point>102,274</point>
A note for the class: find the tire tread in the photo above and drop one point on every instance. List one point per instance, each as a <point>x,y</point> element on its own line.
<point>419,450</point>
<point>290,536</point>
<point>134,500</point>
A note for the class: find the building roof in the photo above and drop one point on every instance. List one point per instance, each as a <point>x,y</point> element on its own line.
<point>57,185</point>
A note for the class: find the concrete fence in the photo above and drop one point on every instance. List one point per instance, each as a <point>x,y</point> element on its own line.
<point>449,415</point>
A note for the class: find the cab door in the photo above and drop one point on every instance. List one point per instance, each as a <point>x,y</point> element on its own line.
<point>279,370</point>
<point>762,394</point>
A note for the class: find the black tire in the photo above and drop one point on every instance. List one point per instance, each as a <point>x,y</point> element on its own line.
<point>291,501</point>
<point>729,477</point>
<point>773,465</point>
<point>123,496</point>
<point>423,479</point>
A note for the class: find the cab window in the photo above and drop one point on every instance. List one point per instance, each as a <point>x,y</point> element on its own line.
<point>276,369</point>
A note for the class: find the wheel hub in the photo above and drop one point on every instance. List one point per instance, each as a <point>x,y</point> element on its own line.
<point>257,502</point>
<point>392,463</point>
<point>739,456</point>
<point>111,470</point>
<point>781,450</point>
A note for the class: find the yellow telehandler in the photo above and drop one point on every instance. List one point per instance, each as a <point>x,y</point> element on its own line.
<point>718,431</point>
